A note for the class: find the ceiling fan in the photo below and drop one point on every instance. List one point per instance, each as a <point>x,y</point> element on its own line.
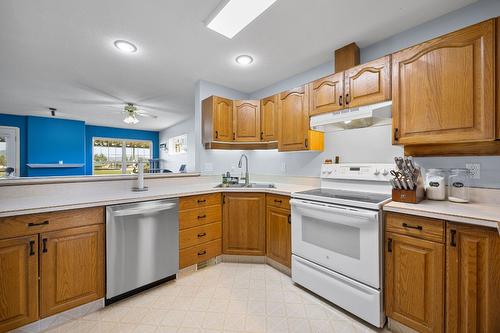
<point>131,112</point>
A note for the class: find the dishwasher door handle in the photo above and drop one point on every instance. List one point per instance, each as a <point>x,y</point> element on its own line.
<point>144,210</point>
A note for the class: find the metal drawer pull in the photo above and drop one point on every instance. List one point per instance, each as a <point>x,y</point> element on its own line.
<point>44,249</point>
<point>418,227</point>
<point>289,219</point>
<point>278,201</point>
<point>202,216</point>
<point>202,253</point>
<point>202,201</point>
<point>32,247</point>
<point>453,241</point>
<point>34,224</point>
<point>202,234</point>
<point>389,245</point>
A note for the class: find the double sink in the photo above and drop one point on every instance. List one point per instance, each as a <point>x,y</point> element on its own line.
<point>242,185</point>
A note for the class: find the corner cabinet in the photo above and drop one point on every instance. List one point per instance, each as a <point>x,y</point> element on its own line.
<point>269,118</point>
<point>246,121</point>
<point>217,113</point>
<point>472,279</point>
<point>244,223</point>
<point>294,133</point>
<point>369,83</point>
<point>443,90</point>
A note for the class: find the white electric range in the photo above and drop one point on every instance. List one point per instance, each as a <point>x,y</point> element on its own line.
<point>337,237</point>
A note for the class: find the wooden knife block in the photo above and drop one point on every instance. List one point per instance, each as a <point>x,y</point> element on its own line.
<point>409,196</point>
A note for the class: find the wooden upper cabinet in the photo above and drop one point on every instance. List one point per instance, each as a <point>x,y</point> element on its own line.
<point>498,76</point>
<point>294,119</point>
<point>217,119</point>
<point>368,83</point>
<point>246,121</point>
<point>326,94</point>
<point>269,118</point>
<point>244,223</point>
<point>414,282</point>
<point>71,268</point>
<point>443,90</point>
<point>18,282</point>
<point>473,279</point>
<point>278,242</point>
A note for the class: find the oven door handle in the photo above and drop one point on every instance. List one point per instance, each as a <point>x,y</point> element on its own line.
<point>369,215</point>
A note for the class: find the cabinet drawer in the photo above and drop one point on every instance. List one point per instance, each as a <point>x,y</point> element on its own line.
<point>416,226</point>
<point>199,216</point>
<point>280,201</point>
<point>198,235</point>
<point>37,223</point>
<point>195,254</point>
<point>196,201</point>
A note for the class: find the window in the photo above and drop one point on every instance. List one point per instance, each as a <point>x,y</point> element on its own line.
<point>177,145</point>
<point>118,156</point>
<point>9,150</point>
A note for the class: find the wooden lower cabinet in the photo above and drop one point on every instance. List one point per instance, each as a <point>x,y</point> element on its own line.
<point>18,282</point>
<point>278,235</point>
<point>472,279</point>
<point>244,224</point>
<point>414,282</point>
<point>71,268</point>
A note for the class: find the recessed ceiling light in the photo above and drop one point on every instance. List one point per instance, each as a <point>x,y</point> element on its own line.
<point>244,59</point>
<point>125,46</point>
<point>231,16</point>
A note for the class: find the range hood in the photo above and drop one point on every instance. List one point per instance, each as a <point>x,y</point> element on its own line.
<point>363,116</point>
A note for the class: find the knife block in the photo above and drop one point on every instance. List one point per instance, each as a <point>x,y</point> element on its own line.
<point>409,196</point>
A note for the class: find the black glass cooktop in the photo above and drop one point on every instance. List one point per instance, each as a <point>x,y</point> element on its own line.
<point>367,197</point>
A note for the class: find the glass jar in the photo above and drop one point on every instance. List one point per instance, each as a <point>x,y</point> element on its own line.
<point>435,184</point>
<point>458,185</point>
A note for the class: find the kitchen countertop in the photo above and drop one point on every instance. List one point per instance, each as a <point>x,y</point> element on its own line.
<point>485,214</point>
<point>83,195</point>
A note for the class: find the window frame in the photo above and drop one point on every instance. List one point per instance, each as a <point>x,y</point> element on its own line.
<point>15,132</point>
<point>124,151</point>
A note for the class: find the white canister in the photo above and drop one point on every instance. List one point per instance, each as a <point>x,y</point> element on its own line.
<point>435,184</point>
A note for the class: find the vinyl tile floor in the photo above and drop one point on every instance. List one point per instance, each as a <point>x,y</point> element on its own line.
<point>227,297</point>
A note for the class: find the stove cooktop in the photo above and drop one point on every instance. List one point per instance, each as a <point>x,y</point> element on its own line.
<point>354,198</point>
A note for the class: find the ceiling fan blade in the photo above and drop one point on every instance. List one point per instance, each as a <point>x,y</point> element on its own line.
<point>100,92</point>
<point>146,114</point>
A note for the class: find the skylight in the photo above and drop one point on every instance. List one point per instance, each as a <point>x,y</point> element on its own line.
<point>232,16</point>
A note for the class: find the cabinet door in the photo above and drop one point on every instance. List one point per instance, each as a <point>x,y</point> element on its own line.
<point>414,282</point>
<point>472,279</point>
<point>246,121</point>
<point>278,235</point>
<point>244,224</point>
<point>71,268</point>
<point>368,83</point>
<point>443,90</point>
<point>223,119</point>
<point>269,118</point>
<point>18,282</point>
<point>294,119</point>
<point>327,94</point>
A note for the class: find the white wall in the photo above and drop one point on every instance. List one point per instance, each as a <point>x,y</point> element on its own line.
<point>173,162</point>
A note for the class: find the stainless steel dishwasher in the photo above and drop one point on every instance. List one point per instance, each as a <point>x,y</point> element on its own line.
<point>142,246</point>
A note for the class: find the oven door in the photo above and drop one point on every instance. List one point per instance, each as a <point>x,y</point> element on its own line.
<point>343,239</point>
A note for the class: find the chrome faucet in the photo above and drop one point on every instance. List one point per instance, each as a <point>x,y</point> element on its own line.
<point>247,177</point>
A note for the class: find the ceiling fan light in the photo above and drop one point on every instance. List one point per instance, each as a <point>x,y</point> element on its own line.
<point>130,119</point>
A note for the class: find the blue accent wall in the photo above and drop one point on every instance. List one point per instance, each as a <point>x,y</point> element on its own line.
<point>51,140</point>
<point>119,133</point>
<point>19,122</point>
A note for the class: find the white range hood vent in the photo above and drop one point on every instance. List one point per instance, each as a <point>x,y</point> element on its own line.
<point>363,116</point>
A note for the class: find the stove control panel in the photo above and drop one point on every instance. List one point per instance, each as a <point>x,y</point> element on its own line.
<point>357,171</point>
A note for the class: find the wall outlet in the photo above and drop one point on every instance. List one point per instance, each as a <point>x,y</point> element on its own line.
<point>283,167</point>
<point>474,170</point>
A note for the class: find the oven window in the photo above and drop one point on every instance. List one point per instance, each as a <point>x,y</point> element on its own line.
<point>338,238</point>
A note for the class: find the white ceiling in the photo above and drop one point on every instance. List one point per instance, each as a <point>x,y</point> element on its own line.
<point>59,53</point>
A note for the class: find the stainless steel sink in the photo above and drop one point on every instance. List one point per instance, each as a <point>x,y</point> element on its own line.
<point>251,185</point>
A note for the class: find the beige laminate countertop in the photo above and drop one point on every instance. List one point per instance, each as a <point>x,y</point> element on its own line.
<point>482,214</point>
<point>89,195</point>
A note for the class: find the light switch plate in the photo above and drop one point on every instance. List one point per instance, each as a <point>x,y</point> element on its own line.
<point>474,170</point>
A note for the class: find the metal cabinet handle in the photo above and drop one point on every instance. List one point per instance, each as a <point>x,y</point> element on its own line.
<point>306,142</point>
<point>216,134</point>
<point>396,130</point>
<point>202,234</point>
<point>234,136</point>
<point>347,99</point>
<point>202,252</point>
<point>340,100</point>
<point>44,248</point>
<point>202,216</point>
<point>261,136</point>
<point>278,201</point>
<point>34,224</point>
<point>453,241</point>
<point>202,201</point>
<point>289,219</point>
<point>32,247</point>
<point>389,245</point>
<point>418,227</point>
